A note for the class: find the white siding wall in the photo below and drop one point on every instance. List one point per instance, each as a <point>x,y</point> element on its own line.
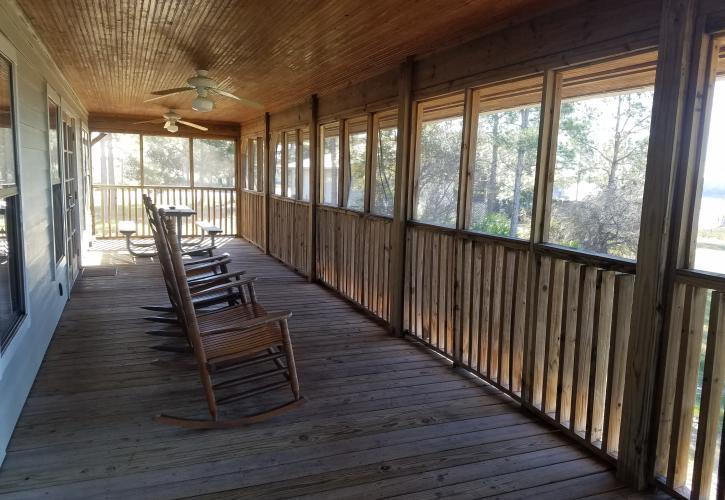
<point>33,72</point>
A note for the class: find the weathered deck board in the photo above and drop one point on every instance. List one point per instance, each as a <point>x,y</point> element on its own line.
<point>383,416</point>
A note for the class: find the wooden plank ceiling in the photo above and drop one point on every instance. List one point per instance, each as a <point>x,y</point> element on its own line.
<point>276,52</point>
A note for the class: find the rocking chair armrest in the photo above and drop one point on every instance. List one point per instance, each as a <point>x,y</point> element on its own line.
<point>267,319</point>
<point>213,258</point>
<point>200,282</point>
<point>209,265</point>
<point>247,280</point>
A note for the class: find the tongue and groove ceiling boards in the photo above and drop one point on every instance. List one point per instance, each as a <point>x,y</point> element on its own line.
<point>276,52</point>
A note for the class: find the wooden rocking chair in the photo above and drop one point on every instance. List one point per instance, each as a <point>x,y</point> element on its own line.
<point>228,340</point>
<point>204,274</point>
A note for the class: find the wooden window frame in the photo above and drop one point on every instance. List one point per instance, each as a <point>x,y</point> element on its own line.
<point>301,132</point>
<point>552,98</point>
<point>448,107</point>
<point>345,165</point>
<point>692,184</point>
<point>374,144</point>
<point>20,286</point>
<point>321,161</point>
<point>468,164</point>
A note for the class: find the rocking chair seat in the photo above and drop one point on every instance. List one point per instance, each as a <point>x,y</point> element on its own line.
<point>229,316</point>
<point>239,344</point>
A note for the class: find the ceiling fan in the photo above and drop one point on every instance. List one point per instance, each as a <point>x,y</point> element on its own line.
<point>171,120</point>
<point>204,88</point>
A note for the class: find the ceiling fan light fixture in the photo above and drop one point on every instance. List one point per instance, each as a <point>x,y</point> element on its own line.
<point>202,104</point>
<point>173,128</point>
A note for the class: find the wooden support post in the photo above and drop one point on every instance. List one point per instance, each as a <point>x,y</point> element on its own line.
<point>400,203</point>
<point>314,153</point>
<point>241,181</point>
<point>546,155</point>
<point>636,445</point>
<point>369,151</point>
<point>269,175</point>
<point>468,158</point>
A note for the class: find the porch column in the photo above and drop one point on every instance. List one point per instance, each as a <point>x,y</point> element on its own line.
<point>269,173</point>
<point>314,156</point>
<point>666,155</point>
<point>400,203</point>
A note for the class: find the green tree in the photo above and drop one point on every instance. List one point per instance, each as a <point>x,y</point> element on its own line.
<point>385,170</point>
<point>437,183</point>
<point>599,177</point>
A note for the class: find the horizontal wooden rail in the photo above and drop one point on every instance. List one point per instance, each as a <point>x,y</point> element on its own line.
<point>587,258</point>
<point>505,241</point>
<point>113,204</point>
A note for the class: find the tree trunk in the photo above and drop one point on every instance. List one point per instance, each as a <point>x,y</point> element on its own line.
<point>104,160</point>
<point>616,147</point>
<point>491,185</point>
<point>602,243</point>
<point>520,157</point>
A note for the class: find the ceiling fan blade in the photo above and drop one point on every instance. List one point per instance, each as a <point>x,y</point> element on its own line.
<point>171,91</point>
<point>168,92</point>
<point>157,120</point>
<point>193,125</point>
<point>246,102</point>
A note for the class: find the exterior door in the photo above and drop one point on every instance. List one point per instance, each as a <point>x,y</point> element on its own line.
<point>70,185</point>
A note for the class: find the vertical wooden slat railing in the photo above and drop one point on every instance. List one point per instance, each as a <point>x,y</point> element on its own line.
<point>113,204</point>
<point>690,416</point>
<point>288,232</point>
<point>353,257</point>
<point>466,297</point>
<point>580,336</point>
<point>251,223</point>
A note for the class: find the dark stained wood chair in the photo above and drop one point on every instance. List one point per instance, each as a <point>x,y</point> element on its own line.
<point>227,341</point>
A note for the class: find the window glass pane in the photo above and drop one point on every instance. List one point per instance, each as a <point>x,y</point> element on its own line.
<point>506,148</point>
<point>7,153</point>
<point>251,164</point>
<point>383,185</point>
<point>10,285</point>
<point>291,138</point>
<point>116,159</point>
<point>278,166</point>
<point>601,157</point>
<point>165,161</point>
<point>55,180</point>
<point>330,139</point>
<point>261,171</point>
<point>439,158</point>
<point>710,247</point>
<point>11,295</point>
<point>213,163</point>
<point>53,144</point>
<point>305,166</point>
<point>356,158</point>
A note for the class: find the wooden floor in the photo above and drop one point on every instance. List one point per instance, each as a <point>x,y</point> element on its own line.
<point>384,417</point>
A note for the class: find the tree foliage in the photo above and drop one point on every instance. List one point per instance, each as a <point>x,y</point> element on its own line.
<point>439,164</point>
<point>503,181</point>
<point>117,161</point>
<point>599,176</point>
<point>384,187</point>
